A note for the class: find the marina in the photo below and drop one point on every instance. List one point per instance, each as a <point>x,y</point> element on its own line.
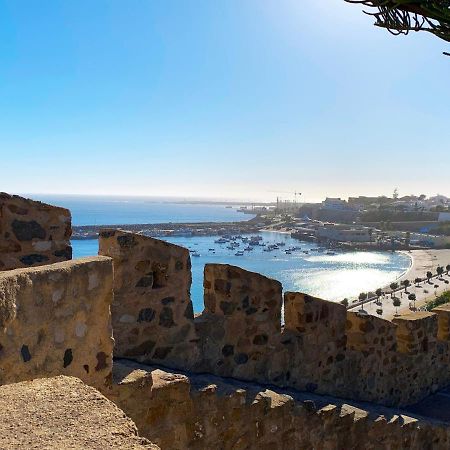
<point>300,266</point>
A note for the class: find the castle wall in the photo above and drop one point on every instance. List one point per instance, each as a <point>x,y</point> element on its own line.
<point>32,233</point>
<point>152,312</point>
<point>55,320</point>
<point>204,412</point>
<point>321,348</point>
<point>242,318</point>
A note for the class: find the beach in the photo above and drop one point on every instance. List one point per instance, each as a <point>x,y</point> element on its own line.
<point>422,261</point>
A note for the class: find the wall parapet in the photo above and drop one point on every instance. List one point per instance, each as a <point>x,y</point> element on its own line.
<point>321,347</point>
<point>183,411</point>
<point>32,233</point>
<point>55,320</point>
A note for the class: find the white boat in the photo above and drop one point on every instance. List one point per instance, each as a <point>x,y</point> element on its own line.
<point>239,254</point>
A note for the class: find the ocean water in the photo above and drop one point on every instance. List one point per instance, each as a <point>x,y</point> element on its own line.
<point>332,277</point>
<point>96,210</point>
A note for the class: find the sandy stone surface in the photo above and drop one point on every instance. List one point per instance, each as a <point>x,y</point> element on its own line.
<point>63,413</point>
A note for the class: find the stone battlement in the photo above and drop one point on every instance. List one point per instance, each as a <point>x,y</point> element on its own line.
<point>321,348</point>
<point>55,320</point>
<point>32,233</point>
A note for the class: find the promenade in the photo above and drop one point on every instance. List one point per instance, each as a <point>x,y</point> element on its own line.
<point>422,262</point>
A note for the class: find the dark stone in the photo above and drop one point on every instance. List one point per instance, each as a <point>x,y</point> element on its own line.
<point>340,357</point>
<point>245,302</point>
<point>26,355</point>
<point>311,387</point>
<point>166,317</point>
<point>189,311</point>
<point>27,230</point>
<point>86,368</point>
<point>162,352</point>
<point>126,241</point>
<point>18,210</point>
<point>228,350</point>
<point>366,327</point>
<point>65,253</point>
<point>309,405</point>
<point>145,281</point>
<point>260,339</point>
<point>179,265</point>
<point>168,300</point>
<point>29,260</point>
<point>241,358</point>
<point>101,361</point>
<point>222,286</point>
<point>146,315</point>
<point>251,311</point>
<point>144,348</point>
<point>107,234</point>
<point>227,308</point>
<point>68,357</point>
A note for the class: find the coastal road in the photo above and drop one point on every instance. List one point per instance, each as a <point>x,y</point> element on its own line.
<point>422,262</point>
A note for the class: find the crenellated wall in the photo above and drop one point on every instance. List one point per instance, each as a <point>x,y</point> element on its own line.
<point>242,318</point>
<point>179,411</point>
<point>55,320</point>
<point>321,348</point>
<point>152,313</point>
<point>32,233</point>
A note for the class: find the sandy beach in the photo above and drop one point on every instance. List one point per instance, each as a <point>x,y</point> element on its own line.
<point>422,262</point>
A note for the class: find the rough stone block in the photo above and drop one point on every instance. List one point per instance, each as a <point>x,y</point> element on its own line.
<point>443,314</point>
<point>241,322</point>
<point>152,312</point>
<point>416,332</point>
<point>32,233</point>
<point>55,320</point>
<point>63,413</point>
<point>367,333</point>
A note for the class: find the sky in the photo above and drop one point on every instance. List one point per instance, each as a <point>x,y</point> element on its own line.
<point>230,99</point>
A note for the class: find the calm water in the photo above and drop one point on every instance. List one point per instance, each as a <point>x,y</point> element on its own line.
<point>130,210</point>
<point>331,277</point>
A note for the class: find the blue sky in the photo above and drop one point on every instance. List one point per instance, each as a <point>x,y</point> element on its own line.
<point>224,98</point>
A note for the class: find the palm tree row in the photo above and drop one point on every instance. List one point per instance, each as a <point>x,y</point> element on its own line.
<point>395,286</point>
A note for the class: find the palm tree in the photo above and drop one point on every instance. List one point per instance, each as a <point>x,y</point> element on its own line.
<point>429,276</point>
<point>345,302</point>
<point>396,303</point>
<point>394,287</point>
<point>412,297</point>
<point>417,281</point>
<point>362,297</point>
<point>440,270</point>
<point>447,268</point>
<point>406,284</point>
<point>379,293</point>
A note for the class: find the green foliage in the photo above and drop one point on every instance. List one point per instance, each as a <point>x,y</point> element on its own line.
<point>441,300</point>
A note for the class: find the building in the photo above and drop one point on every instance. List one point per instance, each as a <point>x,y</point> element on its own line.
<point>343,233</point>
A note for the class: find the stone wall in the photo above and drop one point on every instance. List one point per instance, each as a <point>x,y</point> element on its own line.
<point>180,412</point>
<point>32,233</point>
<point>63,413</point>
<point>55,320</point>
<point>321,348</point>
<point>152,313</point>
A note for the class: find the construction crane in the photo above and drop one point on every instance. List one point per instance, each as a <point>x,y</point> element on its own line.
<point>279,200</point>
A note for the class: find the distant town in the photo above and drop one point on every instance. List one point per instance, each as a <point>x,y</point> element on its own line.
<point>388,223</point>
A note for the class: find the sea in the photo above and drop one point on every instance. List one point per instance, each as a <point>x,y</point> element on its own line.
<point>329,276</point>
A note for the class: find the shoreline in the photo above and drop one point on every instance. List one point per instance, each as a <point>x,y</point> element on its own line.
<point>422,262</point>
